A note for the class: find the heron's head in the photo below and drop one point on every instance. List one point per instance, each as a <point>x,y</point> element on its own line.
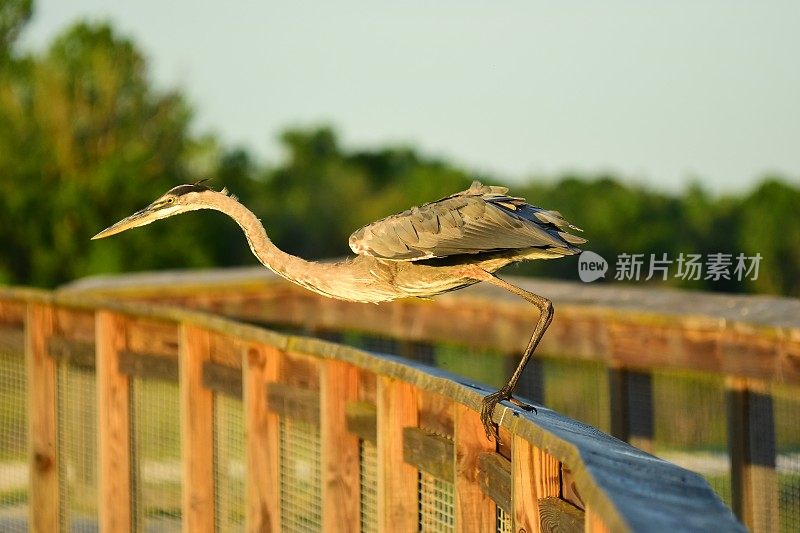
<point>175,201</point>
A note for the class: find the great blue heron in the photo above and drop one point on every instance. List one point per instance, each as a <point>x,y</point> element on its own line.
<point>428,250</point>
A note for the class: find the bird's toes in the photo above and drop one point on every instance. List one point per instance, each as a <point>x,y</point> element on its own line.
<point>487,409</point>
<point>523,405</point>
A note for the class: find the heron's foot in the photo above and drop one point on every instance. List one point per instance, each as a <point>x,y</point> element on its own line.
<point>490,401</point>
<point>523,405</point>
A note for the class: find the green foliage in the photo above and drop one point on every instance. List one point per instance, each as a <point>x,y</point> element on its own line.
<point>86,140</point>
<point>13,16</point>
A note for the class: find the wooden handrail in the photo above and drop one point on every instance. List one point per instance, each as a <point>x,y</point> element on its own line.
<point>751,341</point>
<point>755,337</point>
<point>623,488</point>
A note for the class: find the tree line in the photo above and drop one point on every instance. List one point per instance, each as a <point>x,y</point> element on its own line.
<point>86,139</point>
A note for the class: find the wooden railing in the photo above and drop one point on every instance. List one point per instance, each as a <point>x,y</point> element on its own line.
<point>333,438</point>
<point>752,343</point>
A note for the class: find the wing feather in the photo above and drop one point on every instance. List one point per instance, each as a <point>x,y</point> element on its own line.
<point>477,220</point>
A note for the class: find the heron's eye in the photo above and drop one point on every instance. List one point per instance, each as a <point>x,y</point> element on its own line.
<point>171,200</point>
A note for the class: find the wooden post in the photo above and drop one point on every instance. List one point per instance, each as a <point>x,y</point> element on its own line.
<point>474,511</point>
<point>631,398</point>
<point>197,432</point>
<point>42,425</point>
<point>113,425</point>
<point>262,438</point>
<point>397,481</point>
<point>751,444</point>
<point>534,475</point>
<point>340,449</point>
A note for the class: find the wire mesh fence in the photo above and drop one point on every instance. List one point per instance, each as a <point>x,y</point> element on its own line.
<point>436,504</point>
<point>502,521</point>
<point>77,447</point>
<point>787,437</point>
<point>690,427</point>
<point>13,444</point>
<point>156,452</point>
<point>369,487</point>
<point>229,461</point>
<point>300,479</point>
<point>577,389</point>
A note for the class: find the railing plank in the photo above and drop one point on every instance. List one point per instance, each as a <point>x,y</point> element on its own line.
<point>43,437</point>
<point>535,475</point>
<point>495,479</point>
<point>223,379</point>
<point>362,420</point>
<point>197,432</point>
<point>397,481</point>
<point>429,453</point>
<point>340,449</point>
<point>262,481</point>
<point>628,488</point>
<point>558,516</point>
<point>474,510</point>
<point>113,411</point>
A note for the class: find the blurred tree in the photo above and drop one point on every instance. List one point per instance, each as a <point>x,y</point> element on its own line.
<point>85,140</point>
<point>14,14</point>
<point>768,225</point>
<point>322,193</point>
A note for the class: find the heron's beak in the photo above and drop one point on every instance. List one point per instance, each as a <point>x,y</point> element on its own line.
<point>139,218</point>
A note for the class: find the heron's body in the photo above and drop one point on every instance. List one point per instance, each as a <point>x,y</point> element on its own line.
<point>428,250</point>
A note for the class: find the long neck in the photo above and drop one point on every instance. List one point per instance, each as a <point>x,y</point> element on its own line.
<point>286,265</point>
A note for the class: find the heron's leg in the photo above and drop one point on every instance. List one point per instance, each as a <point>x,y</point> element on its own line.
<point>545,307</point>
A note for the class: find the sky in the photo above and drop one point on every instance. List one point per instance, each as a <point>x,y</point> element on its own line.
<point>660,93</point>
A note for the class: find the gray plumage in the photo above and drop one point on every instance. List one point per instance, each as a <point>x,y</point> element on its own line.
<point>427,250</point>
<point>481,219</point>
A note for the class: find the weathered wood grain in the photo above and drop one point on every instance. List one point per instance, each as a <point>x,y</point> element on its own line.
<point>262,435</point>
<point>340,449</point>
<point>429,452</point>
<point>76,325</point>
<point>223,379</point>
<point>535,475</point>
<point>435,413</point>
<point>558,516</point>
<point>226,351</point>
<point>495,479</point>
<point>147,366</point>
<point>43,447</point>
<point>362,420</point>
<point>293,402</point>
<point>474,510</point>
<point>397,481</point>
<point>113,424</point>
<point>146,335</point>
<point>569,489</point>
<point>748,336</point>
<point>197,432</point>
<point>628,488</point>
<point>76,353</point>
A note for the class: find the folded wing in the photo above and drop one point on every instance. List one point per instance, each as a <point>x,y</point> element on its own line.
<point>478,220</point>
